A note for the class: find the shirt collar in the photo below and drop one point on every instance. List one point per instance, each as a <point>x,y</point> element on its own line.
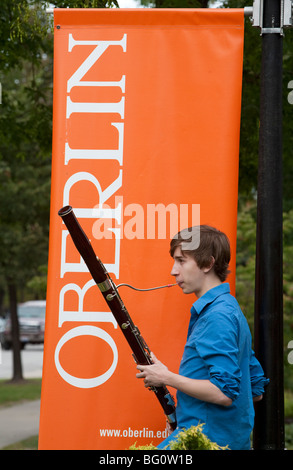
<point>209,297</point>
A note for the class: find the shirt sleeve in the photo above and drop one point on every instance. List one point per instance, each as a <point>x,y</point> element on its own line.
<point>258,380</point>
<point>217,344</point>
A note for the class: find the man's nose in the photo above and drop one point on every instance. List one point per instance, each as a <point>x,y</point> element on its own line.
<point>174,270</point>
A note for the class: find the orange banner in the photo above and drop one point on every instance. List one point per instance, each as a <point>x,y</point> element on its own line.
<point>145,142</point>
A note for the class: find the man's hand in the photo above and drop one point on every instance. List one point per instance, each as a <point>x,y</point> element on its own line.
<point>154,374</point>
<point>259,398</point>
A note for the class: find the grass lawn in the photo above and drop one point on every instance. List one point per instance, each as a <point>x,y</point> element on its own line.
<point>11,392</point>
<point>28,444</point>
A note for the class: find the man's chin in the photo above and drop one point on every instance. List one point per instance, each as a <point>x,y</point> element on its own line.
<point>185,290</point>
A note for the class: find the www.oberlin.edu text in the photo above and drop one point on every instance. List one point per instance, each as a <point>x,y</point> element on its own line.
<point>146,459</point>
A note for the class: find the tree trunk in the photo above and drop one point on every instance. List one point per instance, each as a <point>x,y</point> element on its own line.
<point>16,346</point>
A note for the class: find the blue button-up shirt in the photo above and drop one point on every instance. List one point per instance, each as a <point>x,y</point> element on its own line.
<point>218,348</point>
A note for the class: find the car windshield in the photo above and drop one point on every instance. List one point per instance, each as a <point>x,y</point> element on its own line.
<point>36,312</point>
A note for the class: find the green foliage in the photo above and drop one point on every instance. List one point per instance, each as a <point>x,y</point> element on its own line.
<point>24,35</point>
<point>146,447</point>
<point>194,439</point>
<point>245,259</point>
<point>189,439</point>
<point>245,273</point>
<point>27,21</point>
<point>289,404</point>
<point>85,3</point>
<point>27,444</point>
<point>37,285</point>
<point>25,160</point>
<point>289,436</point>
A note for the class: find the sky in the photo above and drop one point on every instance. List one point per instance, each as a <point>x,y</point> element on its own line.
<point>128,4</point>
<point>134,4</point>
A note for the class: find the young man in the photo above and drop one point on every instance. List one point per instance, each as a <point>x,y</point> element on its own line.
<point>219,376</point>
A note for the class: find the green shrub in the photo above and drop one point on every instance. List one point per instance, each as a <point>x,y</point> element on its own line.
<point>194,439</point>
<point>189,439</point>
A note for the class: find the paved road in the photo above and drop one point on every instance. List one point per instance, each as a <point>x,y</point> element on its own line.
<point>32,362</point>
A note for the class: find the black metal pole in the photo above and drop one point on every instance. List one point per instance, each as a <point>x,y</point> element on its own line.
<point>269,419</point>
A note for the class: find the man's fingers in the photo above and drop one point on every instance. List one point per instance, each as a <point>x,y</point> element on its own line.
<point>154,359</point>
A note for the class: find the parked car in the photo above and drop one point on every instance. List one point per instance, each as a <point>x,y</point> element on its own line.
<point>31,317</point>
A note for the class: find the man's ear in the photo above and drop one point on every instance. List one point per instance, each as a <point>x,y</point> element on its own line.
<point>208,268</point>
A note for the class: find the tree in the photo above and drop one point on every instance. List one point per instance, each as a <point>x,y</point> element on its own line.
<point>250,108</point>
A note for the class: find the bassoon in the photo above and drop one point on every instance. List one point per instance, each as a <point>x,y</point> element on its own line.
<point>141,352</point>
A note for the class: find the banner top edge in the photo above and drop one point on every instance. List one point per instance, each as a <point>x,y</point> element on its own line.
<point>149,16</point>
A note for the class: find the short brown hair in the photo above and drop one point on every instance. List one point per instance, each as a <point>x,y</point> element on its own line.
<point>212,243</point>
